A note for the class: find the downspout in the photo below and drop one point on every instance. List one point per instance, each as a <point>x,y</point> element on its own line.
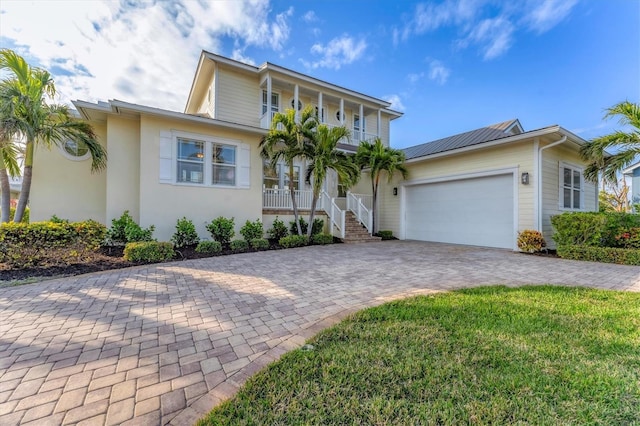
<point>539,178</point>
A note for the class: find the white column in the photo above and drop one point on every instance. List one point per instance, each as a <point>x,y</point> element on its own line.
<point>320,117</point>
<point>379,126</point>
<point>269,106</point>
<point>295,102</point>
<point>361,115</point>
<point>341,112</point>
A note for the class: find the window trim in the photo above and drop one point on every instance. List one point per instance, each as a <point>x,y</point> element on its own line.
<point>70,156</point>
<point>263,105</point>
<point>574,168</point>
<point>209,143</point>
<point>281,171</point>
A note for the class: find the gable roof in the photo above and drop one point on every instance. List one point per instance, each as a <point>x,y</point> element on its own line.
<point>462,140</point>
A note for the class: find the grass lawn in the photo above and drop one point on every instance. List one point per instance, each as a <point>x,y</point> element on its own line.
<point>531,355</point>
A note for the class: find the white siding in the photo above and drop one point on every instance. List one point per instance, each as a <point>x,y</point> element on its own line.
<point>239,98</point>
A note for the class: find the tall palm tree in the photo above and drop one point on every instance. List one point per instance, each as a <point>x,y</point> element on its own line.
<point>285,142</point>
<point>380,159</point>
<point>23,104</point>
<point>8,167</point>
<point>322,154</point>
<point>628,114</point>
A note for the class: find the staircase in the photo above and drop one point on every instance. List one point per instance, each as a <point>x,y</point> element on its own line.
<point>355,232</point>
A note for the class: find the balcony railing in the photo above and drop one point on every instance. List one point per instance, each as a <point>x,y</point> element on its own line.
<point>280,199</point>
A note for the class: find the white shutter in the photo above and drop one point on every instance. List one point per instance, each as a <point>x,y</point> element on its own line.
<point>244,166</point>
<point>166,157</point>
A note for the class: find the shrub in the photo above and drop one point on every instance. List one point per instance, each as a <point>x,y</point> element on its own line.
<point>252,230</point>
<point>12,214</point>
<point>318,226</point>
<point>221,230</point>
<point>125,230</point>
<point>239,246</point>
<point>592,228</point>
<point>385,235</point>
<point>629,239</point>
<point>148,251</point>
<point>294,241</point>
<point>600,254</point>
<point>56,219</point>
<point>185,234</point>
<point>259,244</point>
<point>277,230</point>
<point>209,247</point>
<point>23,244</point>
<point>322,239</point>
<point>531,241</point>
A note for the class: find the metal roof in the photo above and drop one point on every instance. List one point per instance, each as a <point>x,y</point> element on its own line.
<point>462,140</point>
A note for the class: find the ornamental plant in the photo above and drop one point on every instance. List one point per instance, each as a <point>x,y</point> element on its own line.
<point>252,230</point>
<point>222,230</point>
<point>531,241</point>
<point>185,234</point>
<point>278,230</point>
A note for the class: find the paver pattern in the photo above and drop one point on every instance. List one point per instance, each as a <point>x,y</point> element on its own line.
<point>163,344</point>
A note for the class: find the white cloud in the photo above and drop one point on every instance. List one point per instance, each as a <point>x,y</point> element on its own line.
<point>143,52</point>
<point>415,77</point>
<point>546,14</point>
<point>494,36</point>
<point>340,51</point>
<point>310,16</point>
<point>395,101</point>
<point>430,16</point>
<point>238,55</point>
<point>438,72</point>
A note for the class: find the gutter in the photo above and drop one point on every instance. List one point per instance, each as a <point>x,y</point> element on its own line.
<point>539,178</point>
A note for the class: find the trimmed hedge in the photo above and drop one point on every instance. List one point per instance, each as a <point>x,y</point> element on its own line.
<point>259,244</point>
<point>29,244</point>
<point>239,246</point>
<point>12,213</point>
<point>600,254</point>
<point>209,247</point>
<point>294,241</point>
<point>385,235</point>
<point>148,251</point>
<point>322,239</point>
<point>592,228</point>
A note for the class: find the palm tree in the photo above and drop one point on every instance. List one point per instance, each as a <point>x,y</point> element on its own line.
<point>8,167</point>
<point>23,103</point>
<point>322,154</point>
<point>629,143</point>
<point>380,159</point>
<point>285,142</point>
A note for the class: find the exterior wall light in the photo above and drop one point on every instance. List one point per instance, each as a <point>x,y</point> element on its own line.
<point>525,178</point>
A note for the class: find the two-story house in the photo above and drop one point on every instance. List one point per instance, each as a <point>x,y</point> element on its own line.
<point>205,162</point>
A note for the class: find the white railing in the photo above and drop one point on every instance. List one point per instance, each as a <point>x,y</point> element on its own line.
<point>364,213</point>
<point>281,199</point>
<point>336,215</point>
<point>358,137</point>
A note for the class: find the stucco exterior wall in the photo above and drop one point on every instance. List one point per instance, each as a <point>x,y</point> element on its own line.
<point>123,168</point>
<point>163,204</point>
<point>67,188</point>
<point>551,159</point>
<point>516,155</point>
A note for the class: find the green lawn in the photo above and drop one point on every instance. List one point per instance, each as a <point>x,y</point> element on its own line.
<point>530,355</point>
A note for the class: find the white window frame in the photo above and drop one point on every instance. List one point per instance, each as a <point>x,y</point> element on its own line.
<point>561,187</point>
<point>274,107</point>
<point>209,143</point>
<point>282,170</point>
<point>73,157</point>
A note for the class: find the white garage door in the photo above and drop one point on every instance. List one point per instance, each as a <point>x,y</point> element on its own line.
<point>476,211</point>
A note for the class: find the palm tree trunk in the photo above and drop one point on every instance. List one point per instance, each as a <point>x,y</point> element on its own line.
<point>312,214</point>
<point>26,182</point>
<point>374,198</point>
<point>5,196</point>
<point>294,204</point>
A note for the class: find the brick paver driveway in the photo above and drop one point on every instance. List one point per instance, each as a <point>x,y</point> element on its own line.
<point>165,343</point>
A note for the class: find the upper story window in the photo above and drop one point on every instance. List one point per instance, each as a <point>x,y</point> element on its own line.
<point>275,102</point>
<point>293,102</point>
<point>75,150</point>
<point>571,187</point>
<point>357,123</point>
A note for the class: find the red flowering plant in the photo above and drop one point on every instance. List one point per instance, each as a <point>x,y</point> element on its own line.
<point>630,238</point>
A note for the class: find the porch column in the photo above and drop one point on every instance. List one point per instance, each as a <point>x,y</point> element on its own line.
<point>379,126</point>
<point>295,102</point>
<point>320,115</point>
<point>268,113</point>
<point>341,112</point>
<point>361,115</point>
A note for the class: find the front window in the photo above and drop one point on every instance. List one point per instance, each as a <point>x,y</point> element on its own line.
<point>190,161</point>
<point>192,168</point>
<point>571,187</point>
<point>279,178</point>
<point>223,165</point>
<point>275,102</point>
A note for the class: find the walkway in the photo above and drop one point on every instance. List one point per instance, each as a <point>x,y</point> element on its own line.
<point>165,343</point>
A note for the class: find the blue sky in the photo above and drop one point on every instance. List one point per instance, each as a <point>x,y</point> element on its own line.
<point>448,65</point>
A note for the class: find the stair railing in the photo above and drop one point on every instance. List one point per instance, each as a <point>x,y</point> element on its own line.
<point>336,215</point>
<point>363,214</point>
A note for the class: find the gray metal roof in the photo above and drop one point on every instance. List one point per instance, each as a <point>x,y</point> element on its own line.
<point>473,137</point>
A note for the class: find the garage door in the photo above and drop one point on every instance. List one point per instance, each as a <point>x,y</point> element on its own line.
<point>475,211</point>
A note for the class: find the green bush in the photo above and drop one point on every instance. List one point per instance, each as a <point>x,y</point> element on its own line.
<point>294,241</point>
<point>531,241</point>
<point>629,239</point>
<point>148,251</point>
<point>56,219</point>
<point>12,214</point>
<point>318,226</point>
<point>125,230</point>
<point>209,247</point>
<point>322,239</point>
<point>385,235</point>
<point>600,254</point>
<point>259,244</point>
<point>239,246</point>
<point>222,230</point>
<point>29,244</point>
<point>277,230</point>
<point>185,234</point>
<point>592,228</point>
<point>252,230</point>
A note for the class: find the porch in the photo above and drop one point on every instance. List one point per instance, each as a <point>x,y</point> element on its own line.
<point>336,208</point>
